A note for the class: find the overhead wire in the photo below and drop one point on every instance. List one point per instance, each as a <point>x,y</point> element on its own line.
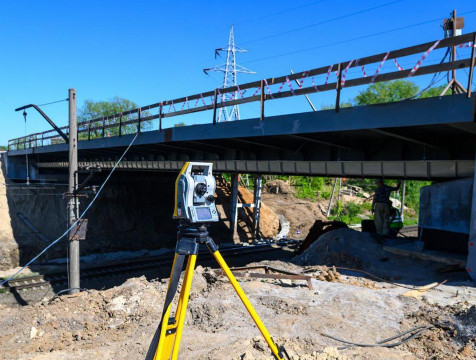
<point>321,22</point>
<point>80,217</point>
<point>279,12</point>
<point>53,102</point>
<point>351,39</point>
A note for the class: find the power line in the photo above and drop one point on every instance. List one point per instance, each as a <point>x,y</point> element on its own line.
<point>53,102</point>
<point>322,22</point>
<point>280,12</point>
<point>350,40</point>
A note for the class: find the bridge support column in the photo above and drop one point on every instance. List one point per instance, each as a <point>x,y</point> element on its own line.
<point>471,262</point>
<point>73,203</point>
<point>257,205</point>
<point>234,205</point>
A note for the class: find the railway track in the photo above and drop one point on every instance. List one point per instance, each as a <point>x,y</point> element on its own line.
<point>36,282</point>
<point>409,229</point>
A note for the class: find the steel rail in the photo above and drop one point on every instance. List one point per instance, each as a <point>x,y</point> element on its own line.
<point>130,265</point>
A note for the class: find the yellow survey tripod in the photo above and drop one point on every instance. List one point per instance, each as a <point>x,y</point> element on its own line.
<point>166,341</point>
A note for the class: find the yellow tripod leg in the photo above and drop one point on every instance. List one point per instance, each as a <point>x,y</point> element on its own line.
<point>248,305</point>
<point>165,320</point>
<point>183,302</point>
<point>170,335</point>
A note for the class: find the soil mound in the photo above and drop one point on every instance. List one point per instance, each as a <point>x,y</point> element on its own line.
<point>279,187</point>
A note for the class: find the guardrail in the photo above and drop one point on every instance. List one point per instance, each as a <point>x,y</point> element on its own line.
<point>136,120</point>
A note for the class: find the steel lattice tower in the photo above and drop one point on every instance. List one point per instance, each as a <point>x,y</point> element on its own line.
<point>230,70</point>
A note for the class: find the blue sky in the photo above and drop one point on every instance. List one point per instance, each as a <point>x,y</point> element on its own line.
<point>148,51</point>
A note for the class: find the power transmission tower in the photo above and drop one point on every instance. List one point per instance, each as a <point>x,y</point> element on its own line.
<point>230,70</point>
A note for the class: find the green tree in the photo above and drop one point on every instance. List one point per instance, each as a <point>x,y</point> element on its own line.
<point>345,104</point>
<point>3,147</point>
<point>179,124</point>
<point>384,92</point>
<point>432,92</point>
<point>96,109</point>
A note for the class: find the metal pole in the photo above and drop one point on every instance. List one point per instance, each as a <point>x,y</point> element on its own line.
<point>234,205</point>
<point>160,116</point>
<point>262,98</point>
<point>215,108</point>
<point>471,69</point>
<point>338,193</point>
<point>73,204</point>
<point>257,205</point>
<point>332,198</point>
<point>307,97</point>
<point>453,53</point>
<point>402,204</point>
<point>338,87</point>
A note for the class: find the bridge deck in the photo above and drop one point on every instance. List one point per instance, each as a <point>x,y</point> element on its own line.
<point>440,129</point>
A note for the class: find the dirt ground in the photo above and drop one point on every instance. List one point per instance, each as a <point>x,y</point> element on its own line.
<point>301,214</point>
<point>119,322</point>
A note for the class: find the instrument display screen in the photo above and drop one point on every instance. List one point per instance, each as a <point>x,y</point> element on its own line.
<point>203,213</point>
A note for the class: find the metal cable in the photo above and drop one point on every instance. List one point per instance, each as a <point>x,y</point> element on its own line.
<point>74,224</point>
<point>384,343</point>
<point>53,102</point>
<point>350,40</point>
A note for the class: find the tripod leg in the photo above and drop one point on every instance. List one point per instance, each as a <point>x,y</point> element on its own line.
<point>274,348</point>
<point>183,302</point>
<point>156,347</point>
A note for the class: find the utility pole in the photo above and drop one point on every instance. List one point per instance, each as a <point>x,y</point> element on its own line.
<point>452,27</point>
<point>230,70</point>
<point>73,203</point>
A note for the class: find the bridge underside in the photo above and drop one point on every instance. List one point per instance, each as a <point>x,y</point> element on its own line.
<point>430,138</point>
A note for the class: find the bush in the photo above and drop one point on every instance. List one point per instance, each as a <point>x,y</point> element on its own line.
<point>326,195</point>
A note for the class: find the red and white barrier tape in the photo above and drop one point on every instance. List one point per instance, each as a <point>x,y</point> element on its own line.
<point>239,90</point>
<point>470,44</point>
<point>342,82</point>
<point>314,85</point>
<point>256,91</point>
<point>328,73</point>
<point>363,71</point>
<point>185,102</point>
<point>267,87</point>
<point>171,106</point>
<point>397,65</point>
<point>380,66</point>
<point>418,64</point>
<point>221,95</point>
<point>304,76</point>
<point>290,85</point>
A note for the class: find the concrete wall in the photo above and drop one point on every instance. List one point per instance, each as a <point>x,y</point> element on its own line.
<point>447,206</point>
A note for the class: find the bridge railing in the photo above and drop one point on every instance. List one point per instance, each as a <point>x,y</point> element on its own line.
<point>140,119</point>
